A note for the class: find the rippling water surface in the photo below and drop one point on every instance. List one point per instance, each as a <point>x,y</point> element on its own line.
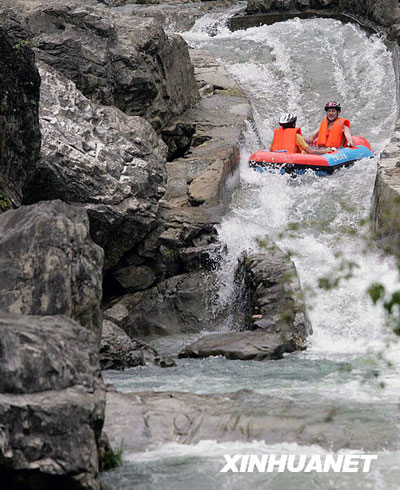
<point>295,66</point>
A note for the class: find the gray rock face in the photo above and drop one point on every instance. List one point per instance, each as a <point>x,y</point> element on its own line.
<point>49,265</point>
<point>119,351</point>
<point>19,121</point>
<point>244,346</point>
<point>385,210</point>
<point>52,401</point>
<point>383,12</point>
<point>178,305</point>
<point>272,297</point>
<point>114,60</point>
<point>188,418</point>
<point>99,158</point>
<point>199,178</point>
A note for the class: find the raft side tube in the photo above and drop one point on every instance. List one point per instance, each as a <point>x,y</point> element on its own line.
<point>327,162</point>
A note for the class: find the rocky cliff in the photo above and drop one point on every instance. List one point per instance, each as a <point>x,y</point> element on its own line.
<point>19,118</point>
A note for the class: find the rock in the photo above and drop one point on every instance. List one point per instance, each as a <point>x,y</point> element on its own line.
<point>19,121</point>
<point>269,292</point>
<point>200,176</point>
<point>119,351</point>
<point>188,418</point>
<point>99,158</point>
<point>273,293</point>
<point>135,277</point>
<point>244,346</point>
<point>113,59</point>
<point>52,401</point>
<point>178,305</point>
<point>385,211</point>
<point>185,240</point>
<point>49,265</point>
<point>178,137</point>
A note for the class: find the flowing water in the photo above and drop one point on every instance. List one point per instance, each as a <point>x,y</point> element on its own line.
<point>352,360</point>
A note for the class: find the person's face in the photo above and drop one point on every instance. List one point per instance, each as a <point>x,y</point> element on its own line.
<point>332,114</point>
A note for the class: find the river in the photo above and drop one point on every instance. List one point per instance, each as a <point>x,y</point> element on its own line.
<point>352,362</point>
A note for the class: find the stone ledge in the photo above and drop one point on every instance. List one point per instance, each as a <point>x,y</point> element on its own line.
<point>198,178</point>
<point>385,211</point>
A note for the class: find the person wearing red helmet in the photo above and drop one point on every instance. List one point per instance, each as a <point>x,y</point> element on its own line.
<point>334,131</point>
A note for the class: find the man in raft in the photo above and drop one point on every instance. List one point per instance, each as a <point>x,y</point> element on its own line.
<point>288,138</point>
<point>334,130</point>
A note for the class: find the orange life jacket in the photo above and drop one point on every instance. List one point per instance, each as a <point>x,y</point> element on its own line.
<point>285,139</point>
<point>334,136</point>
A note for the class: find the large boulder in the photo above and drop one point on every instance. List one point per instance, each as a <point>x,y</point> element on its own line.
<point>113,59</point>
<point>118,351</point>
<point>52,402</point>
<point>49,265</point>
<point>244,346</point>
<point>272,291</point>
<point>19,121</point>
<point>181,304</point>
<point>275,320</point>
<point>99,158</point>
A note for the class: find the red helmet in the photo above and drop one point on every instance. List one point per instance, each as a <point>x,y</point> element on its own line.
<point>333,105</point>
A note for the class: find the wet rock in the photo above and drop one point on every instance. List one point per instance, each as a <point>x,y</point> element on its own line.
<point>135,277</point>
<point>200,177</point>
<point>49,265</point>
<point>178,137</point>
<point>19,121</point>
<point>119,351</point>
<point>99,158</point>
<point>52,401</point>
<point>188,418</point>
<point>273,293</point>
<point>178,305</point>
<point>385,211</point>
<point>276,322</point>
<point>114,60</point>
<point>244,346</point>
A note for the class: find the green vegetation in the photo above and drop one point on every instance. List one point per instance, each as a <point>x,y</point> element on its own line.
<point>21,44</point>
<point>5,202</point>
<point>391,303</point>
<point>111,459</point>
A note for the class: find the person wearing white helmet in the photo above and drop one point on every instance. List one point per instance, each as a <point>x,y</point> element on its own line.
<point>334,130</point>
<point>288,137</point>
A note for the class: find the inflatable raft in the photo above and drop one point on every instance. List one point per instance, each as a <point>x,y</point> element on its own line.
<point>299,163</point>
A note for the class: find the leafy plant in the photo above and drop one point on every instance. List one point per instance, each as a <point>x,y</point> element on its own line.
<point>21,44</point>
<point>5,202</point>
<point>111,459</point>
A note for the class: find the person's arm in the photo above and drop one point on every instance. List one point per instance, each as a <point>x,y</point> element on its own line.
<point>347,134</point>
<point>312,137</point>
<point>303,145</point>
<point>318,152</point>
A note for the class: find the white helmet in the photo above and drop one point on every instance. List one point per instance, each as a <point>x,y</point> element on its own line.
<point>287,118</point>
